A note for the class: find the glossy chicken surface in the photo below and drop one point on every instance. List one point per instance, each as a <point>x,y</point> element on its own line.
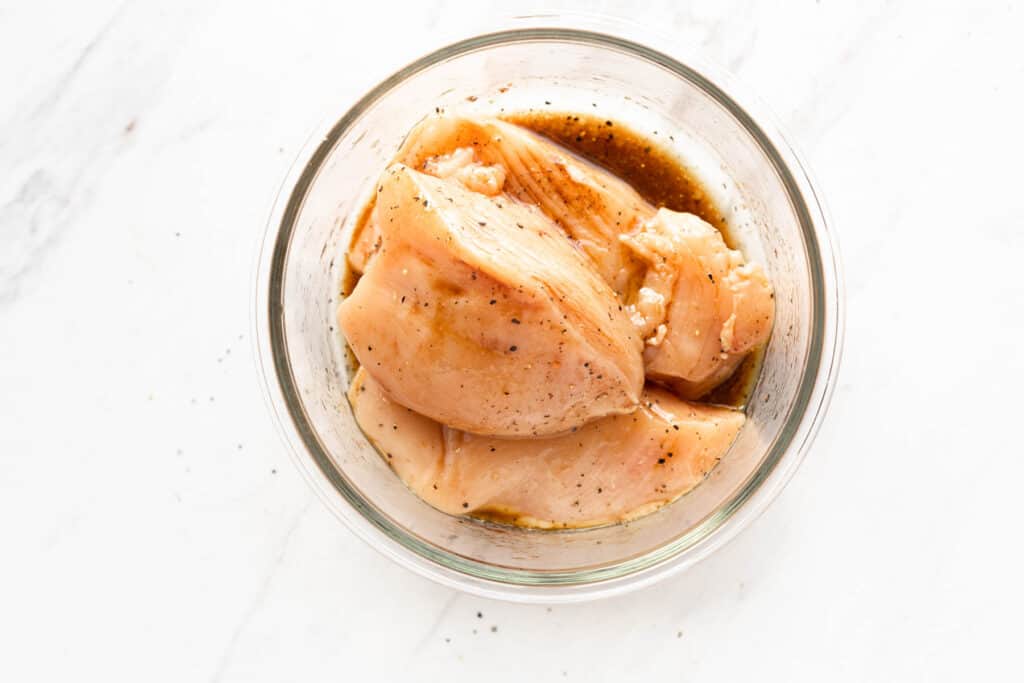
<point>590,205</point>
<point>697,304</point>
<point>477,312</point>
<point>611,470</point>
<point>700,308</point>
<point>514,301</point>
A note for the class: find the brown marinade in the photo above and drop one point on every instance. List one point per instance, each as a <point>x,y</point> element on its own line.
<point>636,158</point>
<point>660,179</point>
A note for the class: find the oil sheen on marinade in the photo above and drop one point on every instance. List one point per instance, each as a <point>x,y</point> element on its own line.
<point>654,173</point>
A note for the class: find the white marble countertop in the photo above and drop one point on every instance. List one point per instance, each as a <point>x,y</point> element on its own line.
<point>154,528</point>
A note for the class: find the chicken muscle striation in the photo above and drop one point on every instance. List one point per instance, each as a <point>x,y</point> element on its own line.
<point>611,470</point>
<point>478,313</point>
<point>699,307</point>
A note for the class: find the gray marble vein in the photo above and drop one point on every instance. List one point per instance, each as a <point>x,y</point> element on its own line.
<point>257,599</point>
<point>431,633</point>
<point>154,528</point>
<point>62,85</point>
<point>75,132</point>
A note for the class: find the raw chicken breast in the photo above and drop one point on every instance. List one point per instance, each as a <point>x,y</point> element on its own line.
<point>700,307</point>
<point>488,155</point>
<point>478,313</point>
<point>697,305</point>
<point>614,469</point>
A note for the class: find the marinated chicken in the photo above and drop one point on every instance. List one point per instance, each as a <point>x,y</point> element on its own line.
<point>700,307</point>
<point>591,206</point>
<point>478,313</point>
<point>695,336</point>
<point>613,469</point>
<point>514,299</point>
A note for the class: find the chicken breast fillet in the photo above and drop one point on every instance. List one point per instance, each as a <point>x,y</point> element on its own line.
<point>477,312</point>
<point>697,304</point>
<point>589,204</point>
<point>700,307</point>
<point>611,470</point>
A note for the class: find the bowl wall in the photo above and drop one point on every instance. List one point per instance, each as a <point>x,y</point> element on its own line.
<point>771,210</point>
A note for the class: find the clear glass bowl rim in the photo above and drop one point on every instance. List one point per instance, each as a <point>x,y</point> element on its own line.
<point>780,463</point>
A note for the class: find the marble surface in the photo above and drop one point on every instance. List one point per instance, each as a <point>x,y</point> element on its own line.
<point>154,527</point>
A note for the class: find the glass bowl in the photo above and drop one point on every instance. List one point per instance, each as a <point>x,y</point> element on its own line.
<point>723,138</point>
